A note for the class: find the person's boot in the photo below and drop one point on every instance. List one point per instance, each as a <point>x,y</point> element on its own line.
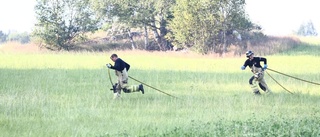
<point>114,88</point>
<point>125,90</point>
<point>268,91</point>
<point>116,96</point>
<point>257,92</point>
<point>262,87</point>
<point>141,88</point>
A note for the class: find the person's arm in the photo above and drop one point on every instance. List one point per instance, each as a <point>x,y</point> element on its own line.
<point>265,66</point>
<point>245,65</point>
<point>264,60</point>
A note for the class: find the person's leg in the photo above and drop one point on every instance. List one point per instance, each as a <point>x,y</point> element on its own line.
<point>133,88</point>
<point>118,86</point>
<point>253,85</point>
<point>117,94</point>
<point>262,83</point>
<point>129,88</point>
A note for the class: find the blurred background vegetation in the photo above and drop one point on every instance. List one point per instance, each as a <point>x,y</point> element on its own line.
<point>203,26</point>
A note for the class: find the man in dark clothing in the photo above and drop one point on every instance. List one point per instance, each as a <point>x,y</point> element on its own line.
<point>121,69</point>
<point>258,71</point>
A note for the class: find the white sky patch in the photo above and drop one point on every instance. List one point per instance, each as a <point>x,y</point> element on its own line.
<point>282,17</point>
<point>17,15</point>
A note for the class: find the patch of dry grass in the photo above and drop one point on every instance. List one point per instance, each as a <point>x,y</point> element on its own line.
<point>20,48</point>
<point>262,46</point>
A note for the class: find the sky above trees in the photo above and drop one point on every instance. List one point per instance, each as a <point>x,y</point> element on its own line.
<point>281,17</point>
<point>276,17</point>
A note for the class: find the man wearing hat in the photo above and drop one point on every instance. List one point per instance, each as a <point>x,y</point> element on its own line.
<point>258,71</point>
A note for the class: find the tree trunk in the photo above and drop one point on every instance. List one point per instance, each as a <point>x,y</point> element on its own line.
<point>159,38</point>
<point>224,49</point>
<point>156,34</point>
<point>133,45</point>
<point>146,37</point>
<point>163,32</point>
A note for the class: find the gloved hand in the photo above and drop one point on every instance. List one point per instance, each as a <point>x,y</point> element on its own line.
<point>109,65</point>
<point>243,67</point>
<point>265,66</point>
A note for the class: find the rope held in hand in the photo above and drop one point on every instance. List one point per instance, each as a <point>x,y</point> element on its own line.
<point>110,77</point>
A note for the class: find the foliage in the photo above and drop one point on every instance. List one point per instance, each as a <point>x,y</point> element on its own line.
<point>15,36</point>
<point>20,37</point>
<point>3,37</point>
<point>137,14</point>
<point>307,29</point>
<point>197,27</point>
<point>63,22</point>
<point>204,26</point>
<point>206,23</point>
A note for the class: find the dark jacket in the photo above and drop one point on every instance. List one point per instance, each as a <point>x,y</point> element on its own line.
<point>255,62</point>
<point>119,65</point>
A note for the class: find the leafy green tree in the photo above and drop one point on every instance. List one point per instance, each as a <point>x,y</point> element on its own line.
<point>232,18</point>
<point>119,15</point>
<point>307,29</point>
<point>194,24</point>
<point>61,23</point>
<point>159,22</point>
<point>152,14</point>
<point>203,25</point>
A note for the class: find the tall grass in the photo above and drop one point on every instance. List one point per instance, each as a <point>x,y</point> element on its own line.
<point>63,94</point>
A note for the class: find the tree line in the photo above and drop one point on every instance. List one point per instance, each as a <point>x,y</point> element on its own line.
<point>201,25</point>
<point>14,36</point>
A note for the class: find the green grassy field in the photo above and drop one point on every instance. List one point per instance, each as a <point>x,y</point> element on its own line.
<point>67,94</point>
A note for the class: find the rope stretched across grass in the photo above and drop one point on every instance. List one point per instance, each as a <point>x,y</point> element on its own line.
<point>290,77</point>
<point>153,87</point>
